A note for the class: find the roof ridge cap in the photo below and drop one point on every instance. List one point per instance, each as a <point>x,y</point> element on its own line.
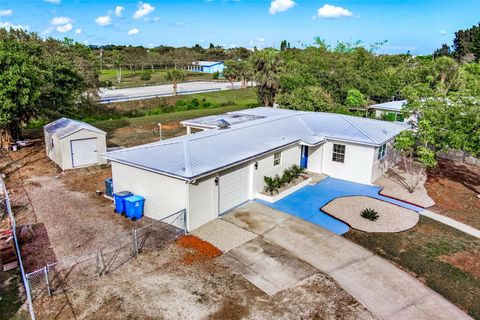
<point>357,127</point>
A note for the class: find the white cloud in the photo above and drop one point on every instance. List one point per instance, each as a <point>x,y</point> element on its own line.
<point>6,13</point>
<point>119,10</point>
<point>277,6</point>
<point>329,11</point>
<point>78,31</point>
<point>8,25</point>
<point>133,31</point>
<point>442,32</point>
<point>60,20</point>
<point>103,20</point>
<point>53,1</point>
<point>143,10</point>
<point>65,28</point>
<point>261,39</point>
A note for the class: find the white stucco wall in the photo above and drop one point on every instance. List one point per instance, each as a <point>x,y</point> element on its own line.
<point>357,166</point>
<point>163,195</point>
<point>315,159</point>
<point>290,156</point>
<point>203,202</point>
<point>380,166</point>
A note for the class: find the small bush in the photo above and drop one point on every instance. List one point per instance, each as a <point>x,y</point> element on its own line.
<point>369,214</point>
<point>272,184</point>
<point>216,75</point>
<point>145,76</point>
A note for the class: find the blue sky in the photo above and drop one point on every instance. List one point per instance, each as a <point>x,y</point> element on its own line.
<point>416,25</point>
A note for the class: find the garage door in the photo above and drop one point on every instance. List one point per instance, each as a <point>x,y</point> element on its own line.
<point>233,188</point>
<point>84,152</point>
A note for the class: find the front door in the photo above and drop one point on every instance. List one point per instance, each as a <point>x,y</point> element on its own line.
<point>304,157</point>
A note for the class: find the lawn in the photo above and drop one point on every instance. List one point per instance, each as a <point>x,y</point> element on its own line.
<point>444,258</point>
<point>131,79</point>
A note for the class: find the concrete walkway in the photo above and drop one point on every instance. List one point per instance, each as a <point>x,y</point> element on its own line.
<point>452,223</point>
<point>387,291</point>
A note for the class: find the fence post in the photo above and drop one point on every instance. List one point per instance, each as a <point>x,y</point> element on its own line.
<point>47,281</point>
<point>29,296</point>
<point>135,242</point>
<point>185,221</point>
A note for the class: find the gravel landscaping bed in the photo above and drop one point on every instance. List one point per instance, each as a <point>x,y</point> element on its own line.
<point>395,182</point>
<point>392,218</point>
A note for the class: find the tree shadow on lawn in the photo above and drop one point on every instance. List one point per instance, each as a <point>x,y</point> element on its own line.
<point>456,172</point>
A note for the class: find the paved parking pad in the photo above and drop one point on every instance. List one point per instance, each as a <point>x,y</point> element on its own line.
<point>269,267</point>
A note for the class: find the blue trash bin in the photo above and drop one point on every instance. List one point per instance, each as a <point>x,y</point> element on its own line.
<point>119,199</point>
<point>109,187</point>
<point>134,207</point>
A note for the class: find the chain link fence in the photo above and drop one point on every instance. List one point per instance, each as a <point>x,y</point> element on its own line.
<point>6,207</point>
<point>75,271</point>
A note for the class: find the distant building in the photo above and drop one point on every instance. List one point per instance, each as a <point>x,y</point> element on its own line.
<point>207,66</point>
<point>391,110</point>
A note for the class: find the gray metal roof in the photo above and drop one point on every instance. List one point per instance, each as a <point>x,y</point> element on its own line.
<point>192,156</point>
<point>390,106</point>
<point>64,127</point>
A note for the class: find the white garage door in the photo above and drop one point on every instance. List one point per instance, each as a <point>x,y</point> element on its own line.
<point>233,189</point>
<point>84,152</point>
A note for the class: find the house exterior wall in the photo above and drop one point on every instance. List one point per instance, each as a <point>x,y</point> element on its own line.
<point>203,202</point>
<point>290,155</point>
<point>66,149</point>
<point>357,166</point>
<point>163,195</point>
<point>53,149</point>
<point>315,159</point>
<point>214,68</point>
<point>380,166</point>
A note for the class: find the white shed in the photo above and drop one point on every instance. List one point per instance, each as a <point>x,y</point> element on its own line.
<point>72,144</point>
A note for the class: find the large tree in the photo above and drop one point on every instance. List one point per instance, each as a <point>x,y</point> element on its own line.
<point>41,79</point>
<point>175,76</point>
<point>267,66</point>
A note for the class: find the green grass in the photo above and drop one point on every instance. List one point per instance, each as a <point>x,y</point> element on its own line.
<point>420,251</point>
<point>10,301</point>
<point>131,79</point>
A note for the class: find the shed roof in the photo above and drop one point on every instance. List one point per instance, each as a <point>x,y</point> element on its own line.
<point>390,106</point>
<point>192,156</point>
<point>64,127</point>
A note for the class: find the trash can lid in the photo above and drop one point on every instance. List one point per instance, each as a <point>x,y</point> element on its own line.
<point>123,193</point>
<point>134,198</point>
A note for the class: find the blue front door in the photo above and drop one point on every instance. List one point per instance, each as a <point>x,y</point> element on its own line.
<point>304,158</point>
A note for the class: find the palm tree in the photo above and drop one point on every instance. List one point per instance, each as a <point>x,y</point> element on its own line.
<point>118,62</point>
<point>245,72</point>
<point>266,66</point>
<point>230,72</point>
<point>175,76</point>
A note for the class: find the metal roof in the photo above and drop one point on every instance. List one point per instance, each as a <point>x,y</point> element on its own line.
<point>192,156</point>
<point>390,106</point>
<point>64,127</point>
<point>212,122</point>
<point>207,63</point>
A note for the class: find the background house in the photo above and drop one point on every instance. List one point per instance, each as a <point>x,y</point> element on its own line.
<point>207,66</point>
<point>213,171</point>
<point>391,110</point>
<point>73,144</point>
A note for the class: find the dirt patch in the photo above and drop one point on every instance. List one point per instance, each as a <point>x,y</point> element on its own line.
<point>35,247</point>
<point>468,261</point>
<point>200,250</point>
<point>454,188</point>
<point>155,285</point>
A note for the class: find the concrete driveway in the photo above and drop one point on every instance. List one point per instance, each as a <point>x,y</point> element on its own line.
<point>164,90</point>
<point>281,249</point>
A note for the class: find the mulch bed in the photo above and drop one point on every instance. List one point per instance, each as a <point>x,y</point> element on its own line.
<point>200,250</point>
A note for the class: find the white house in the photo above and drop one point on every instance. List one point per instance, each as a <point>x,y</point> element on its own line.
<point>215,170</point>
<point>73,144</point>
<point>207,66</point>
<point>392,110</point>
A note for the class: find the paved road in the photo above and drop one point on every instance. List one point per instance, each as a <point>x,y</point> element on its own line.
<point>164,90</point>
<point>387,291</point>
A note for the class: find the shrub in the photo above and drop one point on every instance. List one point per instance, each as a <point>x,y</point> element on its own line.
<point>216,75</point>
<point>369,214</point>
<point>145,76</point>
<point>296,170</point>
<point>272,184</point>
<point>288,176</point>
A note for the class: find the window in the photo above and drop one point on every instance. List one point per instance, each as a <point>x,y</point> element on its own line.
<point>277,158</point>
<point>338,153</point>
<point>382,151</point>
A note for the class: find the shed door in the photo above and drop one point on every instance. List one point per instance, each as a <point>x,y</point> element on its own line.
<point>234,188</point>
<point>84,152</point>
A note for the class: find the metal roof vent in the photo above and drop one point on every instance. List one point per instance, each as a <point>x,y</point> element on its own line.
<point>223,124</point>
